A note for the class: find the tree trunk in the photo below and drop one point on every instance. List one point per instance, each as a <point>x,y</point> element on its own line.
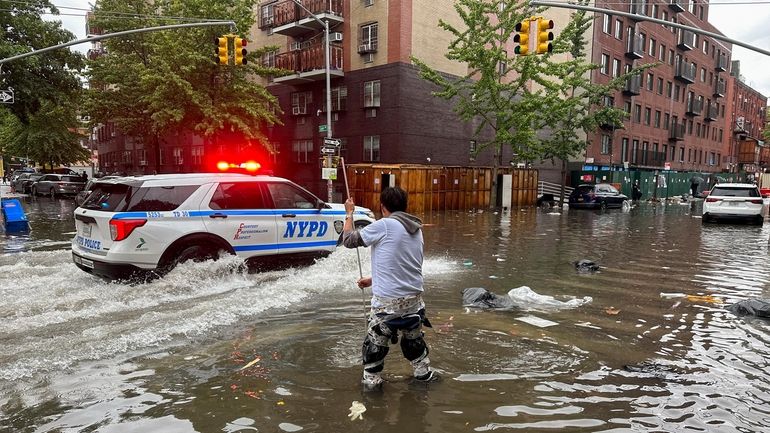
<point>493,193</point>
<point>563,184</point>
<point>156,148</point>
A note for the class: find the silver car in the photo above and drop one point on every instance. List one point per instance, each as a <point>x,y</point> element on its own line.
<point>58,184</point>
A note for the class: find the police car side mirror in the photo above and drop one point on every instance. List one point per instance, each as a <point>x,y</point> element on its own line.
<point>320,204</point>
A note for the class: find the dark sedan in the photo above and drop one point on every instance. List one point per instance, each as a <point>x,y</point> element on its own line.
<point>24,182</point>
<point>599,196</point>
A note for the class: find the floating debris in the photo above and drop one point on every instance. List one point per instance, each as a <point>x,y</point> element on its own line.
<point>612,311</point>
<point>357,410</point>
<point>537,321</point>
<point>254,361</point>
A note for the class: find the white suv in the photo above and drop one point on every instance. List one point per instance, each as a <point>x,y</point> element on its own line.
<point>137,226</point>
<point>734,201</point>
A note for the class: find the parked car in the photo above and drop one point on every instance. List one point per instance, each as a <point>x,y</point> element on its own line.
<point>23,183</point>
<point>58,184</point>
<point>131,227</point>
<point>598,196</point>
<point>19,171</point>
<point>734,201</point>
<point>82,195</point>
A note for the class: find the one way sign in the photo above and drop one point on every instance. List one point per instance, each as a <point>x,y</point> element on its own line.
<point>6,96</point>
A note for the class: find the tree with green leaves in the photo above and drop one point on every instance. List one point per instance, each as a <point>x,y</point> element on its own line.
<point>537,105</point>
<point>42,122</point>
<point>165,83</point>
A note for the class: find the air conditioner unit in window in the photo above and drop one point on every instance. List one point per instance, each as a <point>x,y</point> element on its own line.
<point>366,48</point>
<point>267,21</point>
<point>335,37</point>
<point>142,163</point>
<point>298,111</point>
<point>296,46</point>
<point>179,161</point>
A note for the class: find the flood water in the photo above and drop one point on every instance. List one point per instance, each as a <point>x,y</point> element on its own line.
<point>207,349</point>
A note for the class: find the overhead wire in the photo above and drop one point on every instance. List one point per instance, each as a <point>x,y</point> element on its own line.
<point>106,13</point>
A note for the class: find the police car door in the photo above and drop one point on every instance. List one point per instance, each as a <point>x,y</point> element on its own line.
<point>238,212</point>
<point>302,226</point>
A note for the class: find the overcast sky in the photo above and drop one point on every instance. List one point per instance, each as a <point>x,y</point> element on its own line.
<point>743,20</point>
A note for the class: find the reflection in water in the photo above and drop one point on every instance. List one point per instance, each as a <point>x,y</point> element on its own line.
<point>206,349</point>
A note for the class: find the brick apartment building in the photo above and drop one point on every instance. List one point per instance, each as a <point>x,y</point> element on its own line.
<point>681,114</point>
<point>748,110</point>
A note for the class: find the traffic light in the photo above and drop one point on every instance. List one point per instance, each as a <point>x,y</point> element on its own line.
<point>522,38</point>
<point>222,52</point>
<point>240,52</point>
<point>544,36</point>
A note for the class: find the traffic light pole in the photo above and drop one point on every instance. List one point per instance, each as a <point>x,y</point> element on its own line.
<point>638,17</point>
<point>118,34</point>
<point>327,61</point>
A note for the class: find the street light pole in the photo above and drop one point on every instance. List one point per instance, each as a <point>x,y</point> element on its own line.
<point>327,62</point>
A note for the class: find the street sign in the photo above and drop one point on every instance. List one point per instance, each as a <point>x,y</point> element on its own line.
<point>328,150</point>
<point>332,142</point>
<point>323,128</point>
<point>329,173</point>
<point>6,96</point>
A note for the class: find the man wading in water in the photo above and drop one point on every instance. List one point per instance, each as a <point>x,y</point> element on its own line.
<point>396,281</point>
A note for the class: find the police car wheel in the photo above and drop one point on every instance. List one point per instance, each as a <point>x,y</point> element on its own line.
<point>195,253</point>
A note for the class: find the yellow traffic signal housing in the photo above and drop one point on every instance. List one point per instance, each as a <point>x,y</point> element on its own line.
<point>222,50</point>
<point>239,51</point>
<point>522,38</point>
<point>544,36</point>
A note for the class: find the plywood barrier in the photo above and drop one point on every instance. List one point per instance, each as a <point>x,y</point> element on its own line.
<point>438,188</point>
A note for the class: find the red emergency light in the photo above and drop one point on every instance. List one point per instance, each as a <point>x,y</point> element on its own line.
<point>248,166</point>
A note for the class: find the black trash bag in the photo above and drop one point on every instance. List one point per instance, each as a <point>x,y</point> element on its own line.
<point>751,307</point>
<point>586,266</point>
<point>482,298</point>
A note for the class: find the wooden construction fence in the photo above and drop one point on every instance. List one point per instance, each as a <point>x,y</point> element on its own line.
<point>438,188</point>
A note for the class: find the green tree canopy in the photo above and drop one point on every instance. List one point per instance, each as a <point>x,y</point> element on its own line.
<point>167,82</point>
<point>47,87</point>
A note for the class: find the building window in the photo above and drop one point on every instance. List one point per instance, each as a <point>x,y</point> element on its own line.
<point>634,150</point>
<point>372,93</point>
<point>299,102</point>
<point>681,154</point>
<point>654,13</point>
<point>669,89</point>
<point>605,64</point>
<point>339,98</point>
<point>624,149</point>
<point>647,115</point>
<point>666,118</point>
<point>671,57</point>
<point>302,150</point>
<point>651,50</point>
<point>662,53</point>
<point>660,86</point>
<point>197,155</point>
<point>372,148</point>
<point>627,107</point>
<point>676,92</point>
<point>657,119</point>
<point>368,42</point>
<point>650,81</point>
<point>619,29</point>
<point>615,67</point>
<point>606,144</point>
<point>177,152</point>
<point>637,113</point>
<point>607,24</point>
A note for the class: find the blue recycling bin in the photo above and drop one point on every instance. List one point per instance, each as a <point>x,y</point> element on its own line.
<point>14,218</point>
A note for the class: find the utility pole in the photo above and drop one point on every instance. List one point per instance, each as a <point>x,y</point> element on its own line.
<point>327,61</point>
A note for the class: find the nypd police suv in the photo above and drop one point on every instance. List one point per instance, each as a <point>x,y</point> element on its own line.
<point>137,226</point>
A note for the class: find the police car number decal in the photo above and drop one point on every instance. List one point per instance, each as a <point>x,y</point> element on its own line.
<point>90,244</point>
<point>305,229</point>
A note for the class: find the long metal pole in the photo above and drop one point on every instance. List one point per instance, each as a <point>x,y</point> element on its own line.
<point>327,61</point>
<point>329,186</point>
<point>638,17</point>
<point>116,34</point>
